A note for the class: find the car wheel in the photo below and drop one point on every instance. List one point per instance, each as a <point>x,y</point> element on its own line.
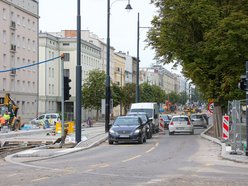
<point>141,140</point>
<point>110,142</point>
<point>145,139</point>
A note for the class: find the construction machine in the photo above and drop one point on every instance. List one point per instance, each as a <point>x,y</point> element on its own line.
<point>7,104</point>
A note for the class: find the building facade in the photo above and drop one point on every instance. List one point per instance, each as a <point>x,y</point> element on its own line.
<point>19,49</point>
<point>65,42</point>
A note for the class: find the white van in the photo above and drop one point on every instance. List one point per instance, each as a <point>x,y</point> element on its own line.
<point>152,111</point>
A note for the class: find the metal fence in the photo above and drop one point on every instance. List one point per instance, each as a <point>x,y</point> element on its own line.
<point>237,120</point>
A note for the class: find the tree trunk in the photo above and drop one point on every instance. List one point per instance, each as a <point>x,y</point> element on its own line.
<point>97,114</point>
<point>217,121</point>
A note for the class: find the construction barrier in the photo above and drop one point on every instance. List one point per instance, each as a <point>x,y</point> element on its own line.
<point>225,127</point>
<point>161,126</point>
<point>70,126</point>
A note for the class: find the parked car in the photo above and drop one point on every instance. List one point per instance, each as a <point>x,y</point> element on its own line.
<point>166,119</point>
<point>199,120</point>
<point>127,129</point>
<point>52,118</point>
<point>180,123</point>
<point>146,121</point>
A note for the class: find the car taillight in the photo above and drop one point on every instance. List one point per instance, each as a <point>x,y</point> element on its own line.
<point>171,123</point>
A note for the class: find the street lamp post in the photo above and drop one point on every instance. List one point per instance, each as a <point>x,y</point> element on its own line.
<point>107,101</point>
<point>138,61</point>
<point>137,67</point>
<point>78,76</point>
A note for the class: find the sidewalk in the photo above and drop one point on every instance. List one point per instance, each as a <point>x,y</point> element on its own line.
<point>226,150</point>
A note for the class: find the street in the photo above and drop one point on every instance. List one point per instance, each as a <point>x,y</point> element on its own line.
<point>180,159</point>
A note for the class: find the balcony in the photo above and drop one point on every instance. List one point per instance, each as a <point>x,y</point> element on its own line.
<point>13,25</point>
<point>13,48</point>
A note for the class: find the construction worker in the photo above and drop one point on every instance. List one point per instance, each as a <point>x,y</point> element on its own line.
<point>6,116</point>
<point>2,121</point>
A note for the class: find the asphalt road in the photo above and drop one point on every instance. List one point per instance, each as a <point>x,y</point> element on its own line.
<point>164,160</point>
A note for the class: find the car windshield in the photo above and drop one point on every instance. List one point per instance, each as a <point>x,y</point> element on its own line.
<point>126,121</point>
<point>142,116</point>
<point>148,111</point>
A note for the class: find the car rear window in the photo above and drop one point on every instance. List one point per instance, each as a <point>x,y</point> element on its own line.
<point>180,119</point>
<point>196,116</point>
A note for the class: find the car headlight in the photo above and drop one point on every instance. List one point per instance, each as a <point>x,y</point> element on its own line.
<point>111,131</point>
<point>137,131</point>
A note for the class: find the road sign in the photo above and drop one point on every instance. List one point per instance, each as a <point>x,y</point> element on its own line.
<point>211,107</point>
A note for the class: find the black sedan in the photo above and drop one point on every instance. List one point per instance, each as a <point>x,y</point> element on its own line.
<point>127,129</point>
<point>146,121</point>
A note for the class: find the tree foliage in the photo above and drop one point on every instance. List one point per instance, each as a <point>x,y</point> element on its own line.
<point>151,93</point>
<point>93,90</point>
<point>128,95</point>
<point>208,38</point>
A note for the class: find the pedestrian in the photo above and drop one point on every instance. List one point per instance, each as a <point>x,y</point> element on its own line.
<point>17,123</point>
<point>89,122</point>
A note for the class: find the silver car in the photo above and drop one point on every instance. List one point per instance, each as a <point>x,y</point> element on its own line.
<point>180,123</point>
<point>199,120</point>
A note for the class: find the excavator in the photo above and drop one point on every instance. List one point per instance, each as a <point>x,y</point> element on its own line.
<point>7,104</point>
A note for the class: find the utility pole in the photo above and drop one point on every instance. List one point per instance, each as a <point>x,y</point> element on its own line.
<point>246,113</point>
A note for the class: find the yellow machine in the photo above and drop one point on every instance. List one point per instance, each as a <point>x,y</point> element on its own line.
<point>7,104</point>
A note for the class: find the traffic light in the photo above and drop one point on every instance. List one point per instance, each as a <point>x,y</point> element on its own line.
<point>67,88</point>
<point>242,84</point>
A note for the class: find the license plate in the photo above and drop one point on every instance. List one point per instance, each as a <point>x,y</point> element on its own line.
<point>180,128</point>
<point>124,136</point>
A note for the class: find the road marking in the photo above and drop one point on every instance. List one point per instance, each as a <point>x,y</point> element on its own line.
<point>39,179</point>
<point>151,149</point>
<point>156,144</point>
<point>132,158</point>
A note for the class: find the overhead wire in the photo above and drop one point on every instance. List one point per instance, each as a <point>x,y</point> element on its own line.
<point>26,66</point>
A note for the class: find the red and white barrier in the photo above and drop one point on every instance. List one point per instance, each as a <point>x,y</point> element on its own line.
<point>161,126</point>
<point>225,127</point>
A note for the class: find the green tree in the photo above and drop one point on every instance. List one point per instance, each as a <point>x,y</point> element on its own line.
<point>208,38</point>
<point>151,93</point>
<point>117,93</point>
<point>128,95</point>
<point>93,90</point>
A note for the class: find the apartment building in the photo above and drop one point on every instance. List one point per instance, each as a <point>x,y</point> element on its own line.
<point>19,48</point>
<point>119,79</point>
<point>52,45</point>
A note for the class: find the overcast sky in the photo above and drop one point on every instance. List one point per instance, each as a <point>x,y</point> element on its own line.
<point>57,15</point>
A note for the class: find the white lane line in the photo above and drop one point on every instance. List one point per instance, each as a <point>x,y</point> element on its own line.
<point>151,149</point>
<point>132,158</point>
<point>39,179</point>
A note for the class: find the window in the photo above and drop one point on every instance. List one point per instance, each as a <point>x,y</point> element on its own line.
<point>18,41</point>
<point>4,36</point>
<point>4,13</point>
<point>23,42</point>
<point>4,59</point>
<point>18,20</point>
<point>67,57</point>
<point>66,44</point>
<point>23,21</point>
